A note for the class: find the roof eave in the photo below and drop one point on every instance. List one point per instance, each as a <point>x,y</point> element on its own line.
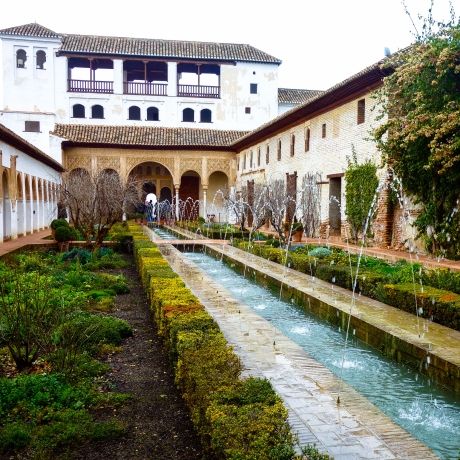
<point>68,143</point>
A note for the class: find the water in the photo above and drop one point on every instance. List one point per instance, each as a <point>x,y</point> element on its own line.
<point>429,413</point>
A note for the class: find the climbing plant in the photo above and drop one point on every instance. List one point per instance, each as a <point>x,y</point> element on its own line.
<point>420,138</point>
<point>361,184</point>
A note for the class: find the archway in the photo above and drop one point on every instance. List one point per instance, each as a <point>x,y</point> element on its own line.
<point>149,177</point>
<point>189,195</point>
<point>215,203</point>
<point>6,207</point>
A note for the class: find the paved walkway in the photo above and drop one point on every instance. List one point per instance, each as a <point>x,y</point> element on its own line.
<point>33,239</point>
<point>353,429</point>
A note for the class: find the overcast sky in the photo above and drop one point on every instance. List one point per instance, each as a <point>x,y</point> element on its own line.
<point>320,42</point>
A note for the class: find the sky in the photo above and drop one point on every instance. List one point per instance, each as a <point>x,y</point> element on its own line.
<point>321,42</point>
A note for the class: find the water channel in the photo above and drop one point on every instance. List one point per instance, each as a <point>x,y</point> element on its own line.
<point>428,412</point>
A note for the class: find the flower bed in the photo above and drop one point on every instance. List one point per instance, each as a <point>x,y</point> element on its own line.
<point>236,419</point>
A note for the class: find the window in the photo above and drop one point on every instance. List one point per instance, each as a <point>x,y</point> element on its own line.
<point>279,149</point>
<point>253,88</point>
<point>40,60</point>
<point>205,116</point>
<point>251,163</point>
<point>247,110</point>
<point>78,111</point>
<point>307,140</point>
<point>361,111</point>
<point>292,145</point>
<point>21,58</point>
<point>323,130</point>
<point>258,156</point>
<point>97,111</point>
<point>267,155</point>
<point>153,114</point>
<point>244,162</point>
<point>134,113</point>
<point>32,126</point>
<point>188,115</point>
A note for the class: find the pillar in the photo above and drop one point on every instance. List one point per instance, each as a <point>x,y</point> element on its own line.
<point>205,203</point>
<point>176,188</point>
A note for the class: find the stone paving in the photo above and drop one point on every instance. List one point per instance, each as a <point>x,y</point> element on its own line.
<point>351,429</point>
<point>34,239</point>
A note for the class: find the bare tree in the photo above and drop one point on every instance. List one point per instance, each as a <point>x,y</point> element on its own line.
<point>96,202</point>
<point>278,202</point>
<point>257,207</point>
<point>310,204</point>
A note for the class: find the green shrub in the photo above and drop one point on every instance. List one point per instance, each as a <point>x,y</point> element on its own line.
<point>63,234</point>
<point>14,436</point>
<point>58,223</point>
<point>320,252</point>
<point>82,255</point>
<point>438,305</point>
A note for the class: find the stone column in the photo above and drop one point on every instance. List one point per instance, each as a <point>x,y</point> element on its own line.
<point>205,203</point>
<point>172,79</point>
<point>118,76</point>
<point>176,187</point>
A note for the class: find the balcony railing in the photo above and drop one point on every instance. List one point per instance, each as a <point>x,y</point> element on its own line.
<point>198,91</point>
<point>90,86</point>
<point>147,88</point>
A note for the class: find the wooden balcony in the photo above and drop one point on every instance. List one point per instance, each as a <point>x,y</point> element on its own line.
<point>198,91</point>
<point>89,86</point>
<point>145,88</point>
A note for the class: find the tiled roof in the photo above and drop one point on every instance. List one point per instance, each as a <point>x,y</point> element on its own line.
<point>163,48</point>
<point>296,96</point>
<point>30,30</point>
<point>146,136</point>
<point>11,138</point>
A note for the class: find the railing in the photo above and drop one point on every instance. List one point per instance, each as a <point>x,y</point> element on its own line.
<point>90,86</point>
<point>150,89</point>
<point>198,91</point>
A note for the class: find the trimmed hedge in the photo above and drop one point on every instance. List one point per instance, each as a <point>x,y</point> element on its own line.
<point>435,304</point>
<point>236,419</point>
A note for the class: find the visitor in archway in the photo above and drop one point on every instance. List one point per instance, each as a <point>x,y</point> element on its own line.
<point>150,206</point>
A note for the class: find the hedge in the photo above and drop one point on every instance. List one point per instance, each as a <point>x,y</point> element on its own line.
<point>435,304</point>
<point>233,422</point>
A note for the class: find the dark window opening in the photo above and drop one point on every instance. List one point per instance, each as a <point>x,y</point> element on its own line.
<point>253,88</point>
<point>247,110</point>
<point>134,113</point>
<point>292,144</point>
<point>206,116</point>
<point>307,139</point>
<point>153,114</point>
<point>251,161</point>
<point>267,155</point>
<point>97,111</point>
<point>279,150</point>
<point>188,115</point>
<point>244,162</point>
<point>323,130</point>
<point>361,111</point>
<point>32,126</point>
<point>21,58</point>
<point>258,156</point>
<point>41,59</point>
<point>78,111</point>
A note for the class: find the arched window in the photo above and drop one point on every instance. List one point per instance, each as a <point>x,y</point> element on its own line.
<point>97,111</point>
<point>78,111</point>
<point>134,113</point>
<point>188,115</point>
<point>21,58</point>
<point>40,59</point>
<point>206,116</point>
<point>153,114</point>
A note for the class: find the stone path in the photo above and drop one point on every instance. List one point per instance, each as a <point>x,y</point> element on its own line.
<point>18,243</point>
<point>353,429</point>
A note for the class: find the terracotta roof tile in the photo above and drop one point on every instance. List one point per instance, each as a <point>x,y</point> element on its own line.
<point>30,30</point>
<point>296,96</point>
<point>146,136</point>
<point>163,48</point>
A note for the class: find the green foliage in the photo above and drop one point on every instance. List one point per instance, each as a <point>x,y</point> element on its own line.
<point>63,234</point>
<point>320,252</point>
<point>312,453</point>
<point>58,223</point>
<point>360,186</point>
<point>421,137</point>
